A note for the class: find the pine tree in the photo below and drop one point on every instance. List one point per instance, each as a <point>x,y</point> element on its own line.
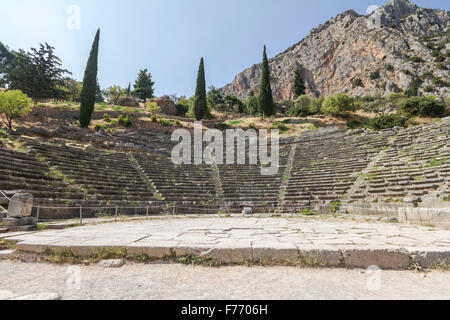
<point>200,102</point>
<point>88,93</point>
<point>143,87</point>
<point>37,73</point>
<point>299,84</point>
<point>266,104</point>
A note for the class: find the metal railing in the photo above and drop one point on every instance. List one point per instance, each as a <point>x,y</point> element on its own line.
<point>164,208</point>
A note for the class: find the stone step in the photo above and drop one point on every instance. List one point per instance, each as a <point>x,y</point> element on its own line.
<point>6,254</point>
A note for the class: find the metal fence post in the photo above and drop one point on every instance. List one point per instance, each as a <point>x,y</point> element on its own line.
<point>37,215</point>
<point>146,213</point>
<point>115,216</point>
<point>81,215</point>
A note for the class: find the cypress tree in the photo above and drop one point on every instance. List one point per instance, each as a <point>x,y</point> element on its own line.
<point>89,90</point>
<point>299,84</point>
<point>128,90</point>
<point>200,102</point>
<point>266,104</point>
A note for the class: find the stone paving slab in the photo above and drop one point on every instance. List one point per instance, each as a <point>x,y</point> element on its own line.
<point>309,241</point>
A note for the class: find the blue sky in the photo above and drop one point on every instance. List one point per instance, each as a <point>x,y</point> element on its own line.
<point>170,36</point>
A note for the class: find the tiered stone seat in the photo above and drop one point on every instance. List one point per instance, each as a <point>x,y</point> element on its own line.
<point>20,171</point>
<point>414,169</point>
<point>244,185</point>
<point>105,178</point>
<point>326,167</point>
<point>183,185</point>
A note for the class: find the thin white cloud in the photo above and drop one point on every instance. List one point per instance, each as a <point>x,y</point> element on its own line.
<point>372,8</point>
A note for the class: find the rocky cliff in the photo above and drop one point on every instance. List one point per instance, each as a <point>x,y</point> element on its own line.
<point>363,55</point>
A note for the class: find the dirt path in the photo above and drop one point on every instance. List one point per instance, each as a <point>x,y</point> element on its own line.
<point>139,281</point>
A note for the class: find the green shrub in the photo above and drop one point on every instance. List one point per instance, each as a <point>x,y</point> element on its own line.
<point>165,122</point>
<point>315,106</point>
<point>335,206</point>
<point>183,107</point>
<point>375,75</point>
<point>125,121</point>
<point>177,123</point>
<point>251,105</point>
<point>234,103</point>
<point>423,106</point>
<point>106,117</point>
<point>413,89</point>
<point>389,67</point>
<point>279,126</point>
<point>388,121</point>
<point>129,110</point>
<point>428,89</point>
<point>337,104</point>
<point>152,107</point>
<point>440,82</point>
<point>440,58</point>
<point>301,107</point>
<point>357,83</point>
<point>441,66</point>
<point>235,122</point>
<point>154,118</point>
<point>416,59</point>
<point>396,98</point>
<point>427,75</point>
<point>99,126</point>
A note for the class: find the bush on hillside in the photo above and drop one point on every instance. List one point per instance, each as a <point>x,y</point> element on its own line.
<point>182,107</point>
<point>357,83</point>
<point>301,107</point>
<point>413,89</point>
<point>315,107</point>
<point>427,106</point>
<point>375,75</point>
<point>152,107</point>
<point>396,99</point>
<point>388,121</point>
<point>416,59</point>
<point>125,121</point>
<point>251,105</point>
<point>337,104</point>
<point>235,104</point>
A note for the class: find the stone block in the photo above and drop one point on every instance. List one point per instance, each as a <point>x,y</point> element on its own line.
<point>18,222</point>
<point>396,259</point>
<point>21,205</point>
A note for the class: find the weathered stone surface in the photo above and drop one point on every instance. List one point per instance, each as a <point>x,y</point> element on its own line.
<point>306,242</point>
<point>128,102</point>
<point>166,104</point>
<point>20,205</point>
<point>111,263</point>
<point>380,257</point>
<point>18,222</point>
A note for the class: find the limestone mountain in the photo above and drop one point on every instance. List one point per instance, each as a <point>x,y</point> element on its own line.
<point>363,55</point>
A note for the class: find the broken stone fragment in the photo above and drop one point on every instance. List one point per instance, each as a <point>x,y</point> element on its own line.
<point>20,206</point>
<point>112,263</point>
